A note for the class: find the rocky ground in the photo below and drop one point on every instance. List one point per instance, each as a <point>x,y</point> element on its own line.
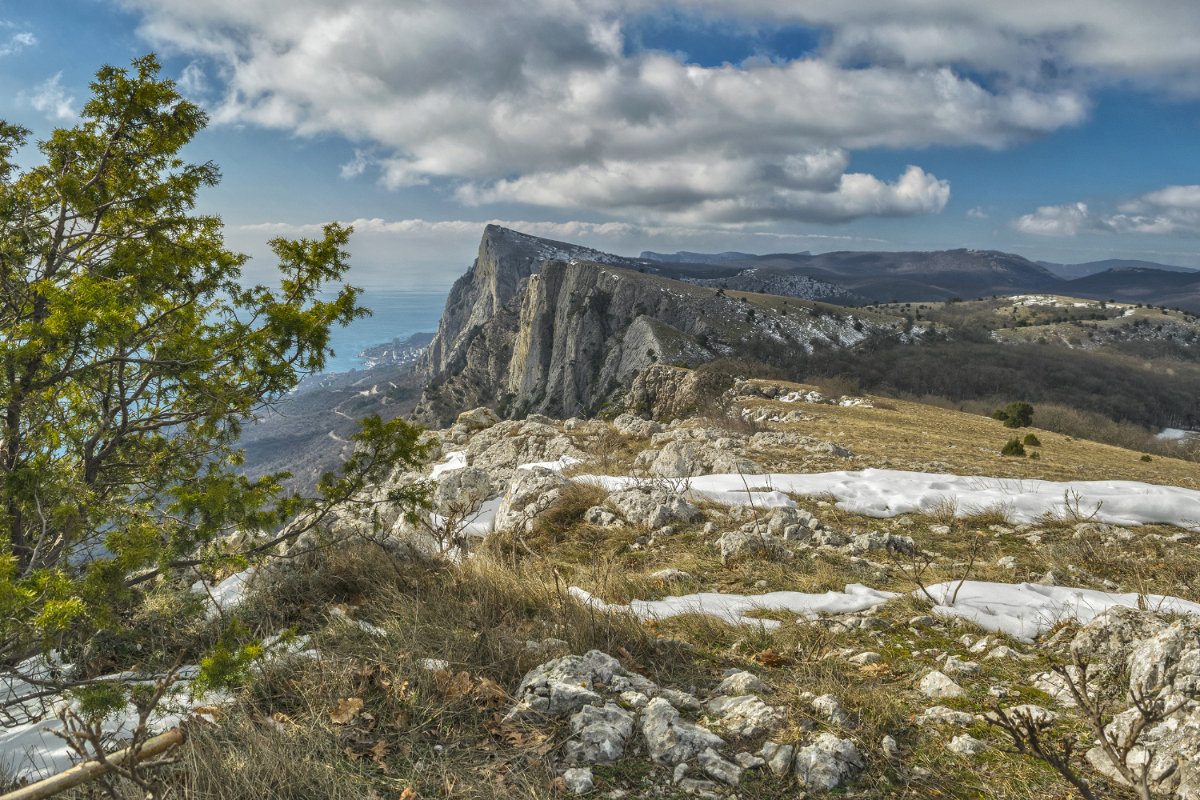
<point>575,617</point>
<point>897,696</point>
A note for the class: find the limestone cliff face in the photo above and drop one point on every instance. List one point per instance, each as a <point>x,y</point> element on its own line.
<point>506,257</point>
<point>573,336</point>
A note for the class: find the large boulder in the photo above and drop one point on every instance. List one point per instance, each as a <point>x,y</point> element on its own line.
<point>505,446</point>
<point>532,491</point>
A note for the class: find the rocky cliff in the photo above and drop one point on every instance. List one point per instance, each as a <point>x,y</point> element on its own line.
<point>572,335</point>
<point>506,257</point>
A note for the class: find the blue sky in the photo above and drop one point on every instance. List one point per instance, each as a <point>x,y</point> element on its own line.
<point>1062,131</point>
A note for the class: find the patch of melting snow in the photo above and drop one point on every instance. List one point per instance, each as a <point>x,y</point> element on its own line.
<point>733,608</point>
<point>456,460</point>
<point>227,594</point>
<point>890,493</point>
<point>558,465</point>
<point>1022,610</point>
<point>1025,610</point>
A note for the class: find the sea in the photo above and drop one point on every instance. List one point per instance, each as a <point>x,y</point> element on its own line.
<point>395,314</point>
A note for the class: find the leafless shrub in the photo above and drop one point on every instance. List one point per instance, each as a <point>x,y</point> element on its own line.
<point>1040,738</point>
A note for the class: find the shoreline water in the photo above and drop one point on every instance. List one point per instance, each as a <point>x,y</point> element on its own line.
<point>395,314</point>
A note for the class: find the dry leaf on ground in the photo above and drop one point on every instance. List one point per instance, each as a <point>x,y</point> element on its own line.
<point>347,710</point>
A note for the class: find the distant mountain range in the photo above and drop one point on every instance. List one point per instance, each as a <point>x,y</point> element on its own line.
<point>856,277</point>
<point>687,257</point>
<point>1070,271</point>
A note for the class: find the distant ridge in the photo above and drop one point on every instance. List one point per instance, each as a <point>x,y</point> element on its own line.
<point>687,257</point>
<point>1072,271</point>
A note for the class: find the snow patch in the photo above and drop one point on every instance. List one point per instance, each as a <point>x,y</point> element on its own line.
<point>733,608</point>
<point>890,493</point>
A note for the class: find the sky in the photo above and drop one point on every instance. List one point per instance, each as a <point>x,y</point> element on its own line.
<point>1064,131</point>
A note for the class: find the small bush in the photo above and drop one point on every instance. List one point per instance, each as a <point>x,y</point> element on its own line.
<point>1013,448</point>
<point>1145,457</point>
<point>1015,415</point>
<point>1032,441</point>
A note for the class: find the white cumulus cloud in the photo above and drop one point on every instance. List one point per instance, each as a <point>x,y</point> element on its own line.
<point>552,103</point>
<point>544,102</point>
<point>1170,210</point>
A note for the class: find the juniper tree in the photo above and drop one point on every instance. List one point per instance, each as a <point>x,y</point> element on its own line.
<point>132,352</point>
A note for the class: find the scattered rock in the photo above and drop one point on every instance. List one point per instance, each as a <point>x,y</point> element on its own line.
<point>827,762</point>
<point>875,541</point>
<point>890,747</point>
<point>829,707</point>
<point>938,686</point>
<point>579,780</point>
<point>746,716</point>
<point>564,685</point>
<point>740,683</point>
<point>600,734</point>
<point>671,739</point>
<point>944,716</point>
<point>736,544</point>
<point>865,659</point>
<point>719,769</point>
<point>957,667</point>
<point>777,756</point>
<point>601,517</point>
<point>630,425</point>
<point>966,744</point>
<point>1004,651</point>
<point>671,575</point>
<point>653,506</point>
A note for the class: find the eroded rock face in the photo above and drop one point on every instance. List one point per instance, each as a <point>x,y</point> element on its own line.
<point>461,490</point>
<point>746,716</point>
<point>564,685</point>
<point>653,506</point>
<point>1163,665</point>
<point>600,734</point>
<point>670,738</point>
<point>531,492</point>
<point>1110,636</point>
<point>738,544</point>
<point>1167,663</point>
<point>827,763</point>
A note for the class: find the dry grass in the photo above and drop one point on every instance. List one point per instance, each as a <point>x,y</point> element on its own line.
<point>921,437</point>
